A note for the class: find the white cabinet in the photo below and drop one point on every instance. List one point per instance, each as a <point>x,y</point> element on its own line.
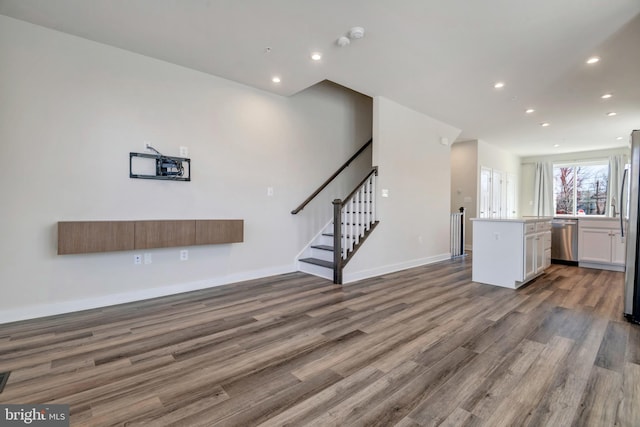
<point>510,252</point>
<point>537,248</point>
<point>530,267</point>
<point>618,248</point>
<point>600,244</point>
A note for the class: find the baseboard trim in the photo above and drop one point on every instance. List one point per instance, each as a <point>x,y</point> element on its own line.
<point>45,310</point>
<point>599,266</point>
<point>349,277</point>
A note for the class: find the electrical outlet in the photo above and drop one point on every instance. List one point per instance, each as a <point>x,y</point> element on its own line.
<point>184,255</point>
<point>147,258</point>
<point>184,151</point>
<point>137,259</point>
<point>269,191</point>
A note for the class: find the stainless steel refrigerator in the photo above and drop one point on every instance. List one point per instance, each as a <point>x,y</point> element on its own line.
<point>632,279</point>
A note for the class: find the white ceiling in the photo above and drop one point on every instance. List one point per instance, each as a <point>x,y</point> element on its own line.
<point>439,57</point>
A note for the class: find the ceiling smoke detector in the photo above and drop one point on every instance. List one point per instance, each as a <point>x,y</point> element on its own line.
<point>356,33</point>
<point>343,41</point>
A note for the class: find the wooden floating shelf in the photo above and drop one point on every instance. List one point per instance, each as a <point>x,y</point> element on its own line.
<point>80,237</point>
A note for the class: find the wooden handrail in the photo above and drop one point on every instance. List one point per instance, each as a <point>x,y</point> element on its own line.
<point>331,178</point>
<point>373,171</point>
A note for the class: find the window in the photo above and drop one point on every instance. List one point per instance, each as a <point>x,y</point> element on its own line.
<point>581,188</point>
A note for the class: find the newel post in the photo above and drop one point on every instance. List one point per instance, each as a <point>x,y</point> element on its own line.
<point>337,241</point>
<point>462,230</point>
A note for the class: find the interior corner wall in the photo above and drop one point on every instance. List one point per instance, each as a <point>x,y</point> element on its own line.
<point>71,112</point>
<point>464,183</point>
<point>493,157</point>
<point>414,167</point>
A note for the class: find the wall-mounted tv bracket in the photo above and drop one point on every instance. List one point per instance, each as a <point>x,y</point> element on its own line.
<point>159,166</point>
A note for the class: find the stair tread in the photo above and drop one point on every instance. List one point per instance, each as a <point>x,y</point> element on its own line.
<point>323,247</point>
<point>316,261</point>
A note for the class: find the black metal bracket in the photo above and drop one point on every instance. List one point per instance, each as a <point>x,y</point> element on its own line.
<point>166,168</point>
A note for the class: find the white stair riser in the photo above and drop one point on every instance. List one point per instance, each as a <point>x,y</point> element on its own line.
<point>322,254</point>
<point>316,270</point>
<point>324,240</point>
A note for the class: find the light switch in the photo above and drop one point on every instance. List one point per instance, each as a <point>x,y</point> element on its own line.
<point>269,191</point>
<point>385,192</point>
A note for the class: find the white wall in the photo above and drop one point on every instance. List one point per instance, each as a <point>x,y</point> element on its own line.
<point>71,110</point>
<point>464,183</point>
<point>493,157</point>
<point>528,170</point>
<point>415,168</point>
<point>467,158</point>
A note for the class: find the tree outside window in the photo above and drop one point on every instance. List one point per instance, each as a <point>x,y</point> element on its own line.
<point>580,189</point>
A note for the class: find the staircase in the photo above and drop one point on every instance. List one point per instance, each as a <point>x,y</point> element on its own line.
<point>317,258</point>
<point>329,252</point>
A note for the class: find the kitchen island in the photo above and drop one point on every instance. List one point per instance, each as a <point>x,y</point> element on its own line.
<point>510,252</point>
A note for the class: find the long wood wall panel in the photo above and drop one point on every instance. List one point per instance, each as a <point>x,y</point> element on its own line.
<point>77,237</point>
<point>165,234</point>
<point>217,231</point>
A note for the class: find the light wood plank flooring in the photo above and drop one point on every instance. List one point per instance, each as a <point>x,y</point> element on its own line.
<point>421,347</point>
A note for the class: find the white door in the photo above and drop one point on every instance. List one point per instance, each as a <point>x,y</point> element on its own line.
<point>511,196</point>
<point>497,206</point>
<point>485,193</point>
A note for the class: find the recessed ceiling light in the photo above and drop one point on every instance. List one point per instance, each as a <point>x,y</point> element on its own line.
<point>499,85</point>
<point>593,60</point>
<point>556,145</point>
<point>276,79</point>
<point>545,124</point>
<point>606,96</point>
<point>611,113</point>
<point>530,110</point>
<point>619,138</point>
<point>316,56</point>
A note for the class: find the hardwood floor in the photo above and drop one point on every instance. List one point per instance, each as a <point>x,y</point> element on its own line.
<point>421,347</point>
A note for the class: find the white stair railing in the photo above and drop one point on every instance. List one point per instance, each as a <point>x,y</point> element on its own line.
<point>457,234</point>
<point>353,218</point>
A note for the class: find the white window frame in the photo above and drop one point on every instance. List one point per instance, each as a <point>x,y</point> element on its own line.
<point>574,164</point>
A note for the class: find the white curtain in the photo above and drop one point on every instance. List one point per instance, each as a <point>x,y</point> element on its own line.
<point>543,192</point>
<point>616,171</point>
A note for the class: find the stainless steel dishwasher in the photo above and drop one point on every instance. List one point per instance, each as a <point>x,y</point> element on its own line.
<point>564,241</point>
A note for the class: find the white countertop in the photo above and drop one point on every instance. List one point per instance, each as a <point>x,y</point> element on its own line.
<point>589,218</point>
<point>524,219</point>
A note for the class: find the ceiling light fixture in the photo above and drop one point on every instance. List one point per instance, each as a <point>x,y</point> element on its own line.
<point>606,96</point>
<point>545,124</point>
<point>276,79</point>
<point>619,138</point>
<point>530,110</point>
<point>499,85</point>
<point>556,145</point>
<point>593,60</point>
<point>612,113</point>
<point>316,56</point>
